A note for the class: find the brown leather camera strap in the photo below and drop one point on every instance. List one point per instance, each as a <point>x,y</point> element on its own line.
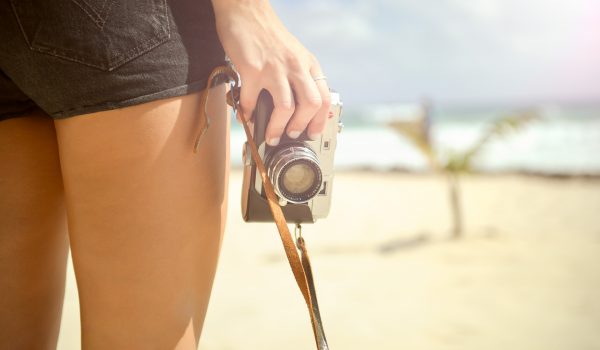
<point>301,267</point>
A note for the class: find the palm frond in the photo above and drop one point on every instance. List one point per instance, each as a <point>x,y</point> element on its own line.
<point>416,133</point>
<point>500,127</point>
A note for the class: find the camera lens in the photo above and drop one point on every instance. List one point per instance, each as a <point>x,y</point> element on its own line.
<point>295,173</point>
<point>298,177</point>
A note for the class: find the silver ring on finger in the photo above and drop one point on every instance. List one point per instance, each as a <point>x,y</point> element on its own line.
<point>319,77</point>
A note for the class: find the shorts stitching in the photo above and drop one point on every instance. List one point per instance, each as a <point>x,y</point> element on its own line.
<point>141,48</point>
<point>122,58</point>
<point>148,44</point>
<point>23,34</point>
<point>93,16</point>
<point>98,18</point>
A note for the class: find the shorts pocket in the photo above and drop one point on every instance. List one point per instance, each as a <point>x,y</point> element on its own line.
<point>103,34</point>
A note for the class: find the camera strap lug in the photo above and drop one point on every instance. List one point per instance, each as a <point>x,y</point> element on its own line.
<point>297,233</point>
<point>299,263</point>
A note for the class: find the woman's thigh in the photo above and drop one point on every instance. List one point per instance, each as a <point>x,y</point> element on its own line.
<point>146,217</point>
<point>33,233</point>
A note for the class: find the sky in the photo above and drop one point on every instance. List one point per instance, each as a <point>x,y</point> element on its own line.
<point>453,51</point>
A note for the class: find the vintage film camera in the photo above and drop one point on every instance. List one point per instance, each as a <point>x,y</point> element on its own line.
<point>301,170</point>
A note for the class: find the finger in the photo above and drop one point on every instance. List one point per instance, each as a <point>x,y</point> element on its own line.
<point>317,124</point>
<point>248,97</point>
<point>308,102</point>
<point>283,108</point>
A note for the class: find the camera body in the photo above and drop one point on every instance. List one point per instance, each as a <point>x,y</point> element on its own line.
<point>301,170</point>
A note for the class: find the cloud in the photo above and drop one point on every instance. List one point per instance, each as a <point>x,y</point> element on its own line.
<point>453,50</point>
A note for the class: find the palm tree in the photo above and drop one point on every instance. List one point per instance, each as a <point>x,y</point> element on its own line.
<point>457,163</point>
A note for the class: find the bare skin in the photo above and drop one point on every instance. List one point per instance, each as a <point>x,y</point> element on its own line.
<point>145,214</point>
<point>145,218</point>
<point>268,56</point>
<point>33,234</point>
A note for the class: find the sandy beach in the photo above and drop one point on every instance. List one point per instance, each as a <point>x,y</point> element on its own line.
<point>526,274</point>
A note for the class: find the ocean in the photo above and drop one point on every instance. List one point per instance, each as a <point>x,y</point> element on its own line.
<point>563,140</point>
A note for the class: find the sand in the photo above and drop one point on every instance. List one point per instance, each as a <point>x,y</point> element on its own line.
<point>526,274</point>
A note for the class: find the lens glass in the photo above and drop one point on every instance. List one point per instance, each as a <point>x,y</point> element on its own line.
<point>299,178</point>
<point>294,171</point>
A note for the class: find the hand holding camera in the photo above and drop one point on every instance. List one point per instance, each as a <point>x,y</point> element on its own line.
<point>287,181</point>
<point>300,169</point>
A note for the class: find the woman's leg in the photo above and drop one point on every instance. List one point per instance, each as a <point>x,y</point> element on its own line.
<point>146,217</point>
<point>33,233</point>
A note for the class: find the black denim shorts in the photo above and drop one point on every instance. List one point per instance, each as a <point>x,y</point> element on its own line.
<point>72,57</point>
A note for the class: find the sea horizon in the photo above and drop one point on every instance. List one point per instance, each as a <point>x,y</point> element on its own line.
<point>563,140</point>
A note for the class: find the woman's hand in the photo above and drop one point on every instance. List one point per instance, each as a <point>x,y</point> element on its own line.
<point>267,56</point>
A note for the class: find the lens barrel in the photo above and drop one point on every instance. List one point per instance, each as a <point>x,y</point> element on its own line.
<point>295,173</point>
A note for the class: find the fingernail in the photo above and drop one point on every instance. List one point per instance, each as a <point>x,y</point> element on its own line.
<point>273,142</point>
<point>294,134</point>
<point>314,136</point>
